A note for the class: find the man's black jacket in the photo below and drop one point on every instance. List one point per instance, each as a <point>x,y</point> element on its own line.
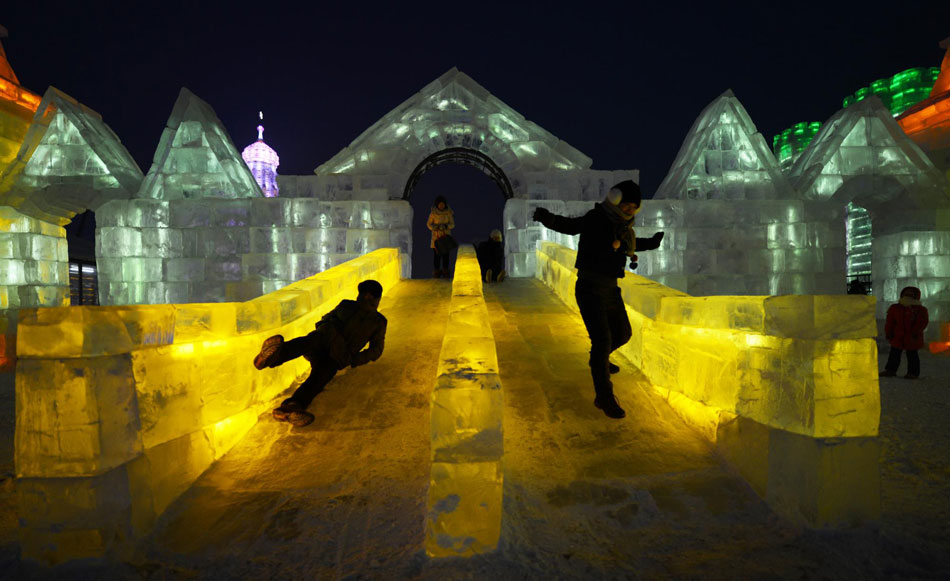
<point>595,251</point>
<point>346,330</point>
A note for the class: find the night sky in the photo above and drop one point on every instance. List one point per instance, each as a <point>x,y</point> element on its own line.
<point>621,85</point>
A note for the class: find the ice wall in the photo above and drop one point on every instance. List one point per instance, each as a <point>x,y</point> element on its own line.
<point>915,258</point>
<point>762,247</point>
<point>120,409</point>
<point>213,250</point>
<point>786,387</point>
<point>465,487</point>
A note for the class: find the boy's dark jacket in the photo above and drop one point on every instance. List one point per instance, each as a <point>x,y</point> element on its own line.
<point>347,328</point>
<point>595,252</point>
<point>904,326</point>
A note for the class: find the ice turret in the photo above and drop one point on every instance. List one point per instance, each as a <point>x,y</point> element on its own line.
<point>263,161</point>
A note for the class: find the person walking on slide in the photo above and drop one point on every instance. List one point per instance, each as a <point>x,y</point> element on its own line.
<point>606,242</point>
<point>337,341</point>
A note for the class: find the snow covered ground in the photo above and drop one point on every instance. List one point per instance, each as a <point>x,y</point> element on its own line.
<point>585,497</point>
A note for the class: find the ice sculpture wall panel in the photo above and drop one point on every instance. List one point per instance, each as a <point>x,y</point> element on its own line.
<point>120,409</point>
<point>786,387</point>
<point>920,259</point>
<point>214,250</point>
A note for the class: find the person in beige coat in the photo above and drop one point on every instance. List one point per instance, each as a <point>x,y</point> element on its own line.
<point>441,222</point>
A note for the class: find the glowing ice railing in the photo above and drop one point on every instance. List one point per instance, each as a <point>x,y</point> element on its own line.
<point>465,486</point>
<point>785,386</point>
<point>120,409</point>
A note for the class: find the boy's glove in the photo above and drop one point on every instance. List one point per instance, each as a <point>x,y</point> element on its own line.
<point>633,262</point>
<point>540,214</point>
<point>658,237</point>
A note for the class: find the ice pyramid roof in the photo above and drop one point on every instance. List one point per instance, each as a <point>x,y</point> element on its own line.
<point>724,157</point>
<point>196,158</point>
<point>864,141</point>
<point>69,161</point>
<point>454,111</point>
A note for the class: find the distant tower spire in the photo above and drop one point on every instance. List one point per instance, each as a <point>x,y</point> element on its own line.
<point>263,161</point>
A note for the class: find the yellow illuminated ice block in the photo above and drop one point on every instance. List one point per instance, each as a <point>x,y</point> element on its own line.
<point>802,363</point>
<point>154,392</point>
<point>465,489</point>
<point>786,386</point>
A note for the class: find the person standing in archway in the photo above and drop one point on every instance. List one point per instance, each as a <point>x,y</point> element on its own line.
<point>441,222</point>
<point>606,242</point>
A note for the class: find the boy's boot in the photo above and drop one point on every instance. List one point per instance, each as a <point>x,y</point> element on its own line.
<point>293,412</point>
<point>502,275</point>
<point>613,368</point>
<point>269,355</point>
<point>488,275</point>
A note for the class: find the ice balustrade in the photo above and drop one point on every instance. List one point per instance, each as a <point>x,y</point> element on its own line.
<point>212,250</point>
<point>465,487</point>
<point>119,409</point>
<point>786,386</point>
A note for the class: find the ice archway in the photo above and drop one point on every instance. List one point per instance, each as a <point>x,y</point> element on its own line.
<point>454,119</point>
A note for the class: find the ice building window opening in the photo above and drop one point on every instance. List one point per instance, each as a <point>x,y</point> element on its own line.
<point>462,156</point>
<point>83,283</point>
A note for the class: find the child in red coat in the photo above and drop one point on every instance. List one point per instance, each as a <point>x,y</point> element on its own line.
<point>904,330</point>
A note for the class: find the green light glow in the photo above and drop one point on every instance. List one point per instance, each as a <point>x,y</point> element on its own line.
<point>900,92</point>
<point>789,144</point>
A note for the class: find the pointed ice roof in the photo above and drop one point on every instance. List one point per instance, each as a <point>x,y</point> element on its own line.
<point>70,161</point>
<point>453,111</point>
<point>196,158</point>
<point>864,141</point>
<point>724,157</point>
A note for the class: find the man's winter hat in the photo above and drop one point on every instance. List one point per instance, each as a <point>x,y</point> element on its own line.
<point>440,199</point>
<point>496,233</point>
<point>626,192</point>
<point>911,291</point>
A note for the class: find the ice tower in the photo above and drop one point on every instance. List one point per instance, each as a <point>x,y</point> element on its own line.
<point>263,161</point>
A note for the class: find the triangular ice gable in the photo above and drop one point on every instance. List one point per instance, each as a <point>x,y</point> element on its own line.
<point>453,111</point>
<point>70,161</point>
<point>864,139</point>
<point>196,158</point>
<point>724,157</point>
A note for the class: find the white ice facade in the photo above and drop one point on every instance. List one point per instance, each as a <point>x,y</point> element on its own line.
<point>198,228</point>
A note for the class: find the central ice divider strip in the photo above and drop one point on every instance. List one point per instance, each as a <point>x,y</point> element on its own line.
<point>119,409</point>
<point>786,387</point>
<point>465,485</point>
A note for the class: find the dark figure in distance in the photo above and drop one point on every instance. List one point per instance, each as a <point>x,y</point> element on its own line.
<point>337,341</point>
<point>606,242</point>
<point>904,330</point>
<point>491,258</point>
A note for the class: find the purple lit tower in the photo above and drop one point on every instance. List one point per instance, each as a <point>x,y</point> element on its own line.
<point>263,162</point>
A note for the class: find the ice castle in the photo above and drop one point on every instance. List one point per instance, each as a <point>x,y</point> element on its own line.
<point>198,257</point>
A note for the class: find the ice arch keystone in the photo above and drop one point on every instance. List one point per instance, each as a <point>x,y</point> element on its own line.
<point>196,158</point>
<point>862,155</point>
<point>453,112</point>
<point>70,161</point>
<point>724,157</point>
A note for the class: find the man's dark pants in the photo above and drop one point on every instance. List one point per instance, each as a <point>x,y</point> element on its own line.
<point>322,367</point>
<point>894,361</point>
<point>607,325</point>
